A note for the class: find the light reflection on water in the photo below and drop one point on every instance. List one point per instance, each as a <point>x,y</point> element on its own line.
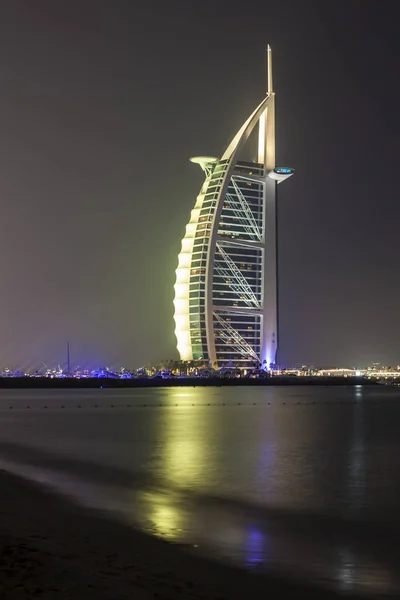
<point>255,547</point>
<point>300,480</point>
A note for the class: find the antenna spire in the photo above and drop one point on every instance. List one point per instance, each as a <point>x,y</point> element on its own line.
<point>68,362</point>
<point>270,88</point>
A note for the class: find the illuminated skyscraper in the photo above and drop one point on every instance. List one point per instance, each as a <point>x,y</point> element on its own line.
<point>226,280</point>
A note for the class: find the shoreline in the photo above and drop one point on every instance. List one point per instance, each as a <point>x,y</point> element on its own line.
<point>51,547</point>
<point>108,382</point>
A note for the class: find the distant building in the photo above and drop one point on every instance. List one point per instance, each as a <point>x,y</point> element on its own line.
<point>226,280</point>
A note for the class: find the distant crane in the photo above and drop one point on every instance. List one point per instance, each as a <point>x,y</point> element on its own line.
<point>68,362</point>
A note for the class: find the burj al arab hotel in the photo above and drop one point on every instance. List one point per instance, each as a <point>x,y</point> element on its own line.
<point>226,304</point>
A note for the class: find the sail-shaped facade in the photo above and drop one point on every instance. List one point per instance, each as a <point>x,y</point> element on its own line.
<point>226,280</point>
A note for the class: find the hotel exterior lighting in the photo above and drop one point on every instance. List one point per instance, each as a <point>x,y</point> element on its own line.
<point>226,280</point>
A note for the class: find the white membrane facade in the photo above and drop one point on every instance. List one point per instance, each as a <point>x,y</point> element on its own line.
<point>226,280</point>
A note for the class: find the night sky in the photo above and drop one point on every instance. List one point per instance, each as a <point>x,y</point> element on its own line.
<point>101,105</point>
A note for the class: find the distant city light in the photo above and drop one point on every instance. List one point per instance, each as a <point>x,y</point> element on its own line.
<point>200,369</point>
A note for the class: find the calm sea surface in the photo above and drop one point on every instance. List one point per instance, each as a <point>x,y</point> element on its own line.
<point>301,480</point>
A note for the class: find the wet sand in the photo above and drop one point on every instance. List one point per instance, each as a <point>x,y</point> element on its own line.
<point>52,548</point>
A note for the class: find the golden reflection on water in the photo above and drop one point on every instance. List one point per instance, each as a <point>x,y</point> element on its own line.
<point>186,439</point>
<point>163,513</point>
<point>185,443</point>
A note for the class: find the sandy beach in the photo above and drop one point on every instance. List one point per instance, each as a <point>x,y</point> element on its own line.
<point>52,548</point>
